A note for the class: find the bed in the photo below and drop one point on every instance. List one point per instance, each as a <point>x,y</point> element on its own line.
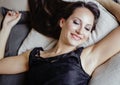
<point>23,38</point>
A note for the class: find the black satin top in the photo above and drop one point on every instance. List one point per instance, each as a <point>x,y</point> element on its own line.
<point>64,69</point>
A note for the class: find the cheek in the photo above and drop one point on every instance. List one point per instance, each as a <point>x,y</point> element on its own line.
<point>71,27</point>
<point>87,35</point>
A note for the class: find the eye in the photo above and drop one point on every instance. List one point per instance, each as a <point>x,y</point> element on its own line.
<point>76,22</point>
<point>88,29</point>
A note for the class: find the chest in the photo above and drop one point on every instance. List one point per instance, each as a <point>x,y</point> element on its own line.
<point>57,71</point>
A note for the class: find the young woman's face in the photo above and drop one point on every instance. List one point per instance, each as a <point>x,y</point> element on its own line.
<point>77,28</point>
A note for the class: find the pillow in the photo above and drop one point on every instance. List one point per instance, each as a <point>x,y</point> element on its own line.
<point>36,39</point>
<point>18,33</point>
<point>102,29</point>
<point>21,5</point>
<point>106,23</point>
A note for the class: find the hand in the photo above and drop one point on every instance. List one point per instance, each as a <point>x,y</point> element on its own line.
<point>11,18</point>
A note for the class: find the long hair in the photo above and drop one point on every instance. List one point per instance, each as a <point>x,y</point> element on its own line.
<point>45,14</point>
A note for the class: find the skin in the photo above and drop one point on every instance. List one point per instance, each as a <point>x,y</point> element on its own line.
<point>10,20</point>
<point>75,31</point>
<point>112,7</point>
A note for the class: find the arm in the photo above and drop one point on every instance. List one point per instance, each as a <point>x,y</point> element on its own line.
<point>110,45</point>
<point>100,52</point>
<point>15,64</point>
<point>10,20</point>
<point>4,33</point>
<point>107,47</point>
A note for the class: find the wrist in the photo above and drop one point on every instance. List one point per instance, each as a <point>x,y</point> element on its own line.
<point>6,29</point>
<point>5,32</point>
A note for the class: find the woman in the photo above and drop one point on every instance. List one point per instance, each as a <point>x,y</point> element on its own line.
<point>65,64</point>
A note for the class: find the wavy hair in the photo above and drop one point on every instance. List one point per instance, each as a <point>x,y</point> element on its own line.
<point>45,14</point>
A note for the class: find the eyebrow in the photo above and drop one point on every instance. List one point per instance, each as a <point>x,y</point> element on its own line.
<point>78,18</point>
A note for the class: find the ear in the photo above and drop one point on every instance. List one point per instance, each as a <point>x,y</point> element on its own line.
<point>62,21</point>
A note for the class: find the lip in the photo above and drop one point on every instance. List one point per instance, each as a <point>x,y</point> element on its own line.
<point>76,37</point>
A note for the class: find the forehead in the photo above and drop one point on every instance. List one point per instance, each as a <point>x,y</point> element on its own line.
<point>83,14</point>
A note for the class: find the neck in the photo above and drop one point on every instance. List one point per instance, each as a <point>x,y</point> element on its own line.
<point>61,48</point>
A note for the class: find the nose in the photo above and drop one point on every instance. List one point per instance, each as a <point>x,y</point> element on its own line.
<point>80,30</point>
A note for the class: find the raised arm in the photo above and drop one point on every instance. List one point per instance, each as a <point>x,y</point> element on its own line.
<point>13,64</point>
<point>10,20</point>
<point>107,47</point>
<point>110,45</point>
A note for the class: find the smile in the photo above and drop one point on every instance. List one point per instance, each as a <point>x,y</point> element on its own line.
<point>76,37</point>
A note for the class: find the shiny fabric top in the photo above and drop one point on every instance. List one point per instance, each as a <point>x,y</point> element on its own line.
<point>64,69</point>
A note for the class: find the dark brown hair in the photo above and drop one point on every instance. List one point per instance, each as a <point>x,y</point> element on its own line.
<point>45,14</point>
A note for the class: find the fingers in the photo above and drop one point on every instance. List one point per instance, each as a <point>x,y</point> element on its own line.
<point>18,17</point>
<point>11,18</point>
<point>13,14</point>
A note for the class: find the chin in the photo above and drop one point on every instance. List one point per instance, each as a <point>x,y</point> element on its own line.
<point>75,44</point>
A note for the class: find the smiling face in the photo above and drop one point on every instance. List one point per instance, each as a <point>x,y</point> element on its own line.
<point>77,28</point>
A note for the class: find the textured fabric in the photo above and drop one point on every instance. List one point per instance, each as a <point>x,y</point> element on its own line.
<point>64,69</point>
